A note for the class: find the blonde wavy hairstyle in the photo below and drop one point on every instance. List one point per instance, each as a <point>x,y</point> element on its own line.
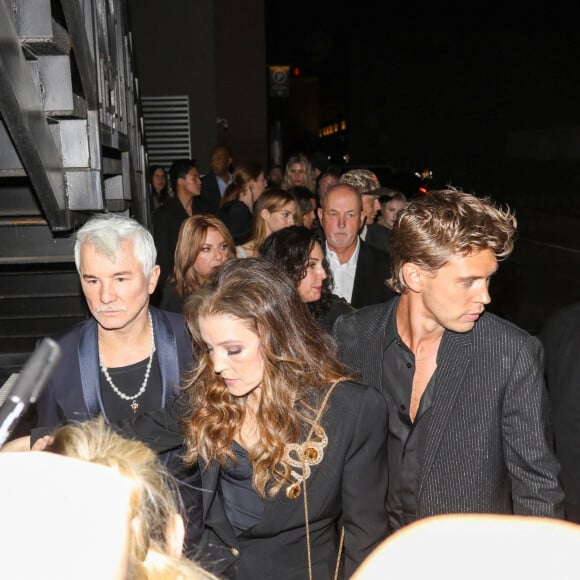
<point>444,223</point>
<point>309,175</point>
<point>300,361</point>
<point>154,500</point>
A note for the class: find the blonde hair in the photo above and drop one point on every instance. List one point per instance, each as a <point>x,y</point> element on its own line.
<point>434,227</point>
<point>272,199</point>
<point>154,500</point>
<point>309,176</point>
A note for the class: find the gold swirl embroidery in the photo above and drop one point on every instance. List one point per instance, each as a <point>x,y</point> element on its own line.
<point>302,456</point>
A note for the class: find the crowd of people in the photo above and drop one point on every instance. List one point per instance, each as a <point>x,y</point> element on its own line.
<point>305,355</point>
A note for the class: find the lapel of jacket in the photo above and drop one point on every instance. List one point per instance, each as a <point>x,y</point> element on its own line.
<point>88,356</point>
<point>363,266</point>
<point>372,342</point>
<point>454,358</point>
<point>166,346</point>
<point>214,514</point>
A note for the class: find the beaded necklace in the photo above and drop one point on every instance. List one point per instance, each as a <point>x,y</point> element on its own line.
<point>134,404</point>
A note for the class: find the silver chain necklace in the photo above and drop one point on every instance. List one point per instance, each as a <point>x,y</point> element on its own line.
<point>134,404</point>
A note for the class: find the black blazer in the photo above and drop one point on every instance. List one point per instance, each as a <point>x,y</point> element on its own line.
<point>378,236</point>
<point>373,269</point>
<point>561,338</point>
<point>166,222</point>
<point>210,197</point>
<point>348,487</point>
<point>487,448</point>
<point>73,392</point>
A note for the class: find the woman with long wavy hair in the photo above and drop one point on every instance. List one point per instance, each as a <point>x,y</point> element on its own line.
<point>292,453</point>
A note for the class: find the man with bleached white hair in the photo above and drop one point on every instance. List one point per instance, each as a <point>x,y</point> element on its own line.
<point>129,356</point>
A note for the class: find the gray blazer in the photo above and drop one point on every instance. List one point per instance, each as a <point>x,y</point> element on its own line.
<point>487,447</point>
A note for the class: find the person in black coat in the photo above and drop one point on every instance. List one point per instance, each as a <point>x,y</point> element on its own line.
<point>167,218</point>
<point>300,254</point>
<point>128,357</point>
<point>360,271</point>
<point>215,182</point>
<point>468,407</point>
<point>560,336</point>
<point>292,453</point>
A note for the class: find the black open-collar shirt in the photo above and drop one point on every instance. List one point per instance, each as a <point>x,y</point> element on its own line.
<point>406,441</point>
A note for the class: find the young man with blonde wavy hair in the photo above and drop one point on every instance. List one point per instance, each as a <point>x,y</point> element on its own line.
<point>468,427</point>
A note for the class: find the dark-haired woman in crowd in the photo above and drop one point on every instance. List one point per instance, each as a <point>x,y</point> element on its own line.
<point>158,186</point>
<point>298,252</point>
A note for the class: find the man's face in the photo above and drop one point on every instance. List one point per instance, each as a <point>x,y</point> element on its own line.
<point>275,177</point>
<point>341,217</point>
<point>220,162</point>
<point>191,183</point>
<point>456,295</point>
<point>370,207</point>
<point>117,291</point>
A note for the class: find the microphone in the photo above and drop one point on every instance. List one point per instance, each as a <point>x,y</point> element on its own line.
<point>30,382</point>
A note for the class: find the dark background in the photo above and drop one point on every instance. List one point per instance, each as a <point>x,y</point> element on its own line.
<point>488,110</point>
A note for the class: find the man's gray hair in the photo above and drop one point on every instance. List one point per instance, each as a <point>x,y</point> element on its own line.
<point>108,231</point>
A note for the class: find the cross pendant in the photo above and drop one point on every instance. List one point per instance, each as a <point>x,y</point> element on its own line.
<point>134,406</point>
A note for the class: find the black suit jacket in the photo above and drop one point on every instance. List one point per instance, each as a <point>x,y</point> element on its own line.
<point>210,198</point>
<point>373,269</point>
<point>348,487</point>
<point>561,338</point>
<point>487,446</point>
<point>167,220</point>
<point>378,236</point>
<point>73,392</point>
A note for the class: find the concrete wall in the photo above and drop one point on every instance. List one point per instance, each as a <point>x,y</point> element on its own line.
<point>215,52</point>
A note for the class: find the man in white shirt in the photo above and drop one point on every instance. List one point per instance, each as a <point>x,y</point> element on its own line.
<point>359,270</point>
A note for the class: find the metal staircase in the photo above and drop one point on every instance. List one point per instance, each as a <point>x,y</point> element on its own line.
<point>70,145</point>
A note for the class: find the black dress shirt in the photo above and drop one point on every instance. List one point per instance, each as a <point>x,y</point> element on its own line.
<point>406,439</point>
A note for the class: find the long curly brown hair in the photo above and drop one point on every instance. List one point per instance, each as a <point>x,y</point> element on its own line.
<point>300,361</point>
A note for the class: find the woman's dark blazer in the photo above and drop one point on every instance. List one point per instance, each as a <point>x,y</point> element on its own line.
<point>349,485</point>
